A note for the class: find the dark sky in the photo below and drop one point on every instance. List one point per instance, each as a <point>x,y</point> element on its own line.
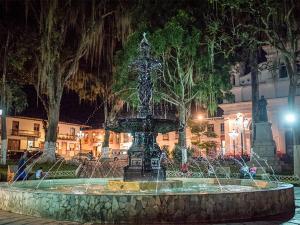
<point>71,109</point>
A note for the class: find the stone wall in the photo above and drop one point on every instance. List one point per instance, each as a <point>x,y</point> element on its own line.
<point>134,208</point>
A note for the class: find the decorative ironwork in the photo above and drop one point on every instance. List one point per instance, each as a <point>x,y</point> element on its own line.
<point>144,65</point>
<point>144,154</point>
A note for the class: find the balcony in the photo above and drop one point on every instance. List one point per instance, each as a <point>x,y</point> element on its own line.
<point>26,133</point>
<point>70,137</point>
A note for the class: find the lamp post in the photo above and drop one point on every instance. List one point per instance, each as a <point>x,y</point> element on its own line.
<point>292,120</point>
<point>80,135</point>
<point>233,134</point>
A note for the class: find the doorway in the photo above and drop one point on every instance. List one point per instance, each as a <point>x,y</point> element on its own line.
<point>13,144</point>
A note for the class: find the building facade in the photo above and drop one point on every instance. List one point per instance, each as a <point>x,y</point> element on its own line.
<point>26,133</point>
<point>274,86</point>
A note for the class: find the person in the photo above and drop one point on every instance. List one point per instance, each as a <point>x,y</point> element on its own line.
<point>39,173</point>
<point>210,170</point>
<point>21,173</point>
<point>90,156</point>
<point>253,170</point>
<point>184,168</point>
<point>244,171</point>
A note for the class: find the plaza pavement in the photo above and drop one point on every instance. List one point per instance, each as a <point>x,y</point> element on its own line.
<point>7,218</point>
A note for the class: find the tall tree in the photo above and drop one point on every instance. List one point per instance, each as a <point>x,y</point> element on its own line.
<point>280,22</point>
<point>67,32</point>
<point>232,27</point>
<point>13,99</point>
<point>187,75</point>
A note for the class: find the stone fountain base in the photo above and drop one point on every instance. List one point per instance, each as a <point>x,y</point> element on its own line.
<point>269,199</point>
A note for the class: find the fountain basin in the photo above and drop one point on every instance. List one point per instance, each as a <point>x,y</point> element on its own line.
<point>200,200</point>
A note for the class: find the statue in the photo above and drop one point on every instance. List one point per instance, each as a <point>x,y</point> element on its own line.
<point>262,110</point>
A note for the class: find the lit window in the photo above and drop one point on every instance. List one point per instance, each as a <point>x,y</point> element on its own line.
<point>165,137</point>
<point>125,137</point>
<point>222,127</point>
<point>210,128</point>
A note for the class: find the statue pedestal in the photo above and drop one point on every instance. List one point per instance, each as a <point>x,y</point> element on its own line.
<point>264,147</point>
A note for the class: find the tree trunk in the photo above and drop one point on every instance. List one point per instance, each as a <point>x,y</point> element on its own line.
<point>107,133</point>
<point>51,136</point>
<point>182,133</point>
<point>106,138</point>
<point>254,89</point>
<point>3,138</point>
<point>4,105</point>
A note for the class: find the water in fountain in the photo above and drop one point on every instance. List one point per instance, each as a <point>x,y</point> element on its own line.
<point>257,157</point>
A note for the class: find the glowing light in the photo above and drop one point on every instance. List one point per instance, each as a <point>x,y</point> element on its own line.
<point>200,117</point>
<point>290,117</point>
<point>233,134</point>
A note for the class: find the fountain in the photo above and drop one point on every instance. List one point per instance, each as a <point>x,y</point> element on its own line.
<point>146,194</point>
<point>144,154</point>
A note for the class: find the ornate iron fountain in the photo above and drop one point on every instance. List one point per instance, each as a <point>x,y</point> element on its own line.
<point>144,154</point>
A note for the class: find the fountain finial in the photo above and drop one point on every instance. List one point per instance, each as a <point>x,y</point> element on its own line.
<point>145,46</point>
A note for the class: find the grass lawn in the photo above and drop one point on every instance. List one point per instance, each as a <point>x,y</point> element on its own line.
<point>45,166</point>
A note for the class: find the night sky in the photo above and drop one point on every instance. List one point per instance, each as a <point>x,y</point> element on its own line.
<point>71,110</point>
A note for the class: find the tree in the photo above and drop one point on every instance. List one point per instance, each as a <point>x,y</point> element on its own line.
<point>100,87</point>
<point>198,129</point>
<point>13,99</point>
<point>280,24</point>
<point>232,28</point>
<point>276,24</point>
<point>187,75</point>
<point>66,33</point>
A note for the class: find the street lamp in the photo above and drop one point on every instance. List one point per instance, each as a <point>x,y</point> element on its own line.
<point>80,135</point>
<point>290,117</point>
<point>233,134</point>
<point>200,117</point>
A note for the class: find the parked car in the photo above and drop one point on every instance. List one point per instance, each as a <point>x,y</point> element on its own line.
<point>83,156</point>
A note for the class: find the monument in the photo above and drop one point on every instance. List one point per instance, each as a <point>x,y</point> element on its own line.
<point>145,156</point>
<point>264,146</point>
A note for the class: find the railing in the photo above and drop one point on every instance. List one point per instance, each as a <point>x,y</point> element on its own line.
<point>282,178</point>
<point>70,137</point>
<point>26,133</point>
<point>59,174</point>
